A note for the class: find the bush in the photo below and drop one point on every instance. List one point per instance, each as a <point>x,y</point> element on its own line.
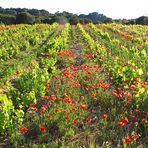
<point>24,18</point>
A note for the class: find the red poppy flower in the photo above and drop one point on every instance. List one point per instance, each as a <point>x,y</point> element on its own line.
<point>65,111</point>
<point>95,99</point>
<point>75,68</point>
<point>49,103</point>
<point>135,137</point>
<point>127,140</point>
<point>92,111</point>
<point>83,107</point>
<point>144,120</point>
<point>49,116</point>
<point>66,73</point>
<point>43,109</point>
<point>123,122</point>
<point>23,129</point>
<point>145,113</point>
<point>104,85</point>
<point>132,86</point>
<point>32,105</point>
<point>66,117</point>
<point>45,97</point>
<point>73,108</point>
<point>43,129</point>
<point>56,110</point>
<point>93,94</point>
<point>33,108</point>
<point>88,120</point>
<point>104,116</point>
<point>88,72</point>
<point>74,122</point>
<point>126,120</point>
<point>53,97</point>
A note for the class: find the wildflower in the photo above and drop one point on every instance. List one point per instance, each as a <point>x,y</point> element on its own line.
<point>120,95</point>
<point>132,86</point>
<point>74,122</point>
<point>49,116</point>
<point>104,85</point>
<point>81,122</point>
<point>89,73</point>
<point>45,97</point>
<point>75,68</point>
<point>53,97</point>
<point>126,120</point>
<point>48,87</point>
<point>66,73</point>
<point>104,116</point>
<point>24,130</point>
<point>83,107</point>
<point>145,113</point>
<point>32,105</point>
<point>65,111</point>
<point>33,108</point>
<point>123,121</point>
<point>43,109</point>
<point>144,120</point>
<point>73,108</point>
<point>93,94</point>
<point>87,87</point>
<point>49,103</point>
<point>92,111</point>
<point>66,117</point>
<point>69,100</point>
<point>88,120</point>
<point>75,102</point>
<point>43,129</point>
<point>135,137</point>
<point>56,110</point>
<point>114,93</point>
<point>127,140</point>
<point>94,99</point>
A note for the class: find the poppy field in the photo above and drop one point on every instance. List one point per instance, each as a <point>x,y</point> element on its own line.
<point>73,86</point>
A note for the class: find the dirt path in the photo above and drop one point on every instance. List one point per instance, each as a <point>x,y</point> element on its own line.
<point>77,50</point>
<point>4,142</point>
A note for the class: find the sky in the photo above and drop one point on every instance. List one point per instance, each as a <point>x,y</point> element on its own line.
<point>111,8</point>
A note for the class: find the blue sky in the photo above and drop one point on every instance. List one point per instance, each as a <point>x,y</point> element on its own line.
<point>111,8</point>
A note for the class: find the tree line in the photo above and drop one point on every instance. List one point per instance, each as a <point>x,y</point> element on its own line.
<point>31,16</point>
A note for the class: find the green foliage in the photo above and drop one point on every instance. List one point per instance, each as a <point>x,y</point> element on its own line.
<point>28,86</point>
<point>7,19</point>
<point>24,18</point>
<point>143,20</point>
<point>6,113</point>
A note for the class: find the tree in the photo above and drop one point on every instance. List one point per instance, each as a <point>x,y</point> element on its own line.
<point>60,19</point>
<point>74,20</point>
<point>24,18</point>
<point>143,20</point>
<point>108,20</point>
<point>7,19</point>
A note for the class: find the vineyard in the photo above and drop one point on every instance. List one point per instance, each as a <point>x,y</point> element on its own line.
<point>73,86</point>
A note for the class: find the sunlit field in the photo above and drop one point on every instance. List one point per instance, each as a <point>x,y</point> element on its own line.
<point>72,86</point>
